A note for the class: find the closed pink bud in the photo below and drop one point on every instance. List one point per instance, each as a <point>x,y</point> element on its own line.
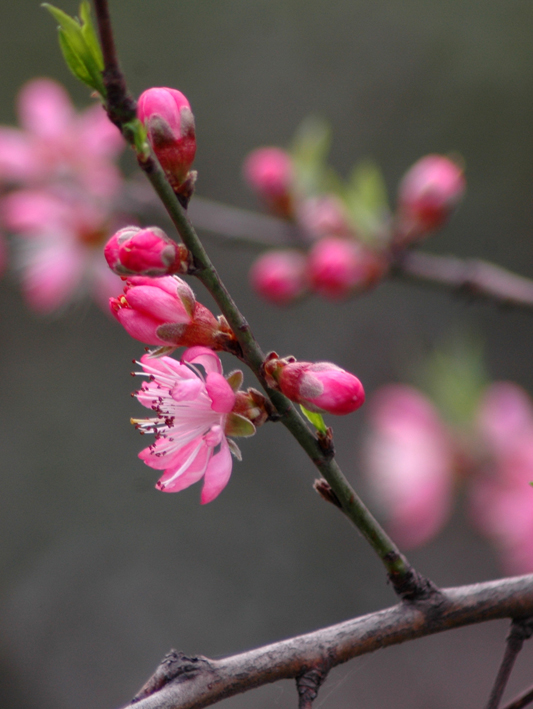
<point>427,195</point>
<point>164,312</point>
<point>269,173</point>
<point>145,252</point>
<point>169,122</point>
<point>321,387</point>
<point>338,267</point>
<point>279,276</point>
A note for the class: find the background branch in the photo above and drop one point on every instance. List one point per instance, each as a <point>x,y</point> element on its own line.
<point>520,630</point>
<point>205,682</point>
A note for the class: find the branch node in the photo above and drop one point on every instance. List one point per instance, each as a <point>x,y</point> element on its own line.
<point>308,684</point>
<point>325,491</point>
<point>411,586</point>
<point>175,666</point>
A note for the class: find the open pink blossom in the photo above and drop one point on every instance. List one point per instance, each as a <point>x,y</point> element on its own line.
<point>409,464</point>
<point>59,250</point>
<point>57,143</point>
<point>192,402</point>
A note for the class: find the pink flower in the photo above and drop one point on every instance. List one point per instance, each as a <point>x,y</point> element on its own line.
<point>427,195</point>
<point>338,267</point>
<point>191,414</point>
<point>269,173</point>
<point>279,276</point>
<point>169,123</point>
<point>58,144</point>
<point>164,312</point>
<point>409,464</point>
<point>145,252</point>
<point>501,498</point>
<point>59,250</point>
<point>321,387</point>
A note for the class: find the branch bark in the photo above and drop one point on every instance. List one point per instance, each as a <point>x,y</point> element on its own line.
<point>520,631</point>
<point>206,682</point>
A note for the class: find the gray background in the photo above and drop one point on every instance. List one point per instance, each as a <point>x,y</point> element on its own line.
<point>100,574</point>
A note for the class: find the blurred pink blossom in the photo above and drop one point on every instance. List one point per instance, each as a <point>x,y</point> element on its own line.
<point>408,461</point>
<point>191,411</point>
<point>413,460</point>
<point>269,172</point>
<point>59,249</point>
<point>57,143</point>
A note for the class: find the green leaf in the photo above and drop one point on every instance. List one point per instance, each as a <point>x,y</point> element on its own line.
<point>365,196</point>
<point>455,378</point>
<point>79,45</point>
<point>315,419</point>
<point>309,152</point>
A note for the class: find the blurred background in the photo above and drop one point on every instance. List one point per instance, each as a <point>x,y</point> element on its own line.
<point>100,574</point>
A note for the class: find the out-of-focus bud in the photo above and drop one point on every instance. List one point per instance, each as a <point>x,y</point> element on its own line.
<point>269,173</point>
<point>164,312</point>
<point>321,387</point>
<point>322,216</point>
<point>338,267</point>
<point>279,276</point>
<point>427,195</point>
<point>169,122</point>
<point>145,252</point>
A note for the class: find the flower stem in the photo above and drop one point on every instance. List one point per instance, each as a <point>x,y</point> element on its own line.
<point>407,583</point>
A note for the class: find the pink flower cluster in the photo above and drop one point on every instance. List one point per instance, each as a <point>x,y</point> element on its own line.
<point>60,186</point>
<point>414,460</point>
<point>335,259</point>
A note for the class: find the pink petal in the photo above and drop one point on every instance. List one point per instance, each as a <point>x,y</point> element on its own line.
<point>203,356</point>
<point>220,393</point>
<point>187,469</point>
<point>217,474</point>
<point>97,135</point>
<point>45,108</point>
<point>18,159</point>
<point>138,325</point>
<point>33,211</point>
<point>158,304</point>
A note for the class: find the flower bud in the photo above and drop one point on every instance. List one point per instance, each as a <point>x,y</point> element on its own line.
<point>338,266</point>
<point>321,387</point>
<point>164,312</point>
<point>279,276</point>
<point>145,252</point>
<point>427,195</point>
<point>169,122</point>
<point>269,173</point>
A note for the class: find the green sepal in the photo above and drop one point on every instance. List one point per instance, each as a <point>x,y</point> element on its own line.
<point>238,426</point>
<point>79,46</point>
<point>235,379</point>
<point>315,419</point>
<point>137,131</point>
<point>234,448</point>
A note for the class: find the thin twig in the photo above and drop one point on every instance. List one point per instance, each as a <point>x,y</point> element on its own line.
<point>522,701</point>
<point>405,580</point>
<point>469,276</point>
<point>207,682</point>
<point>520,630</point>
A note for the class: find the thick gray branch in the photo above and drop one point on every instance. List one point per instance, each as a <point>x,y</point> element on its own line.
<point>214,680</point>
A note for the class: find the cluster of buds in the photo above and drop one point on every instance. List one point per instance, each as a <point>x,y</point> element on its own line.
<point>169,122</point>
<point>321,387</point>
<point>337,256</point>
